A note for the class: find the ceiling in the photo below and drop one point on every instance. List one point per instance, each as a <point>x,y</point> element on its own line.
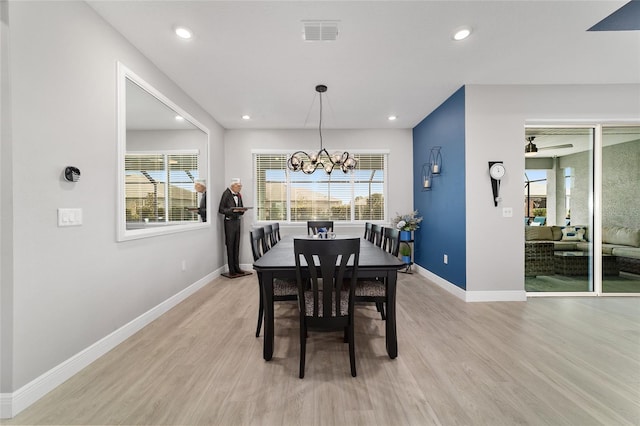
<point>390,57</point>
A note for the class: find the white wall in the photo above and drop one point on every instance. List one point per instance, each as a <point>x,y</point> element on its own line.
<point>495,120</point>
<point>73,286</point>
<point>168,140</point>
<point>240,143</point>
<point>6,209</point>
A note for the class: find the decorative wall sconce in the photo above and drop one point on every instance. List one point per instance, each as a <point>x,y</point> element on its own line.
<point>435,160</point>
<point>426,177</point>
<point>431,169</point>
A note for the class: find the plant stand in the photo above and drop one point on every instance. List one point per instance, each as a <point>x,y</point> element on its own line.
<point>406,246</point>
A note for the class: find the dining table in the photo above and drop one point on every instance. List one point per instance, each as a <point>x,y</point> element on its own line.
<point>279,262</point>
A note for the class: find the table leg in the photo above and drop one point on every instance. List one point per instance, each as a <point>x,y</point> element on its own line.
<point>267,296</point>
<point>390,323</point>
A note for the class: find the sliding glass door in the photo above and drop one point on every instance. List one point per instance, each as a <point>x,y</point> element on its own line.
<point>620,228</point>
<point>559,182</point>
<point>582,210</point>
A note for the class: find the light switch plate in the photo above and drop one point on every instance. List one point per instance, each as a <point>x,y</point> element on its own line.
<point>69,217</point>
<point>507,212</point>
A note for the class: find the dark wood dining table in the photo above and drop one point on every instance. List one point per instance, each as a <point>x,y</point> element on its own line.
<point>279,262</point>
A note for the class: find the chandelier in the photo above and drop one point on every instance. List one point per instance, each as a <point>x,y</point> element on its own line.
<point>301,161</point>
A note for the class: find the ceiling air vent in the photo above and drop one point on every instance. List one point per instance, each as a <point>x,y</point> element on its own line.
<point>320,30</point>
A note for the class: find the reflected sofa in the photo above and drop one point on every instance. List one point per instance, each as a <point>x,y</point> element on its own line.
<point>542,241</point>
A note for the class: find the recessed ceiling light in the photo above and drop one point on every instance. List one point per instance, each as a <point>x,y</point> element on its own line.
<point>179,118</point>
<point>392,117</point>
<point>246,117</point>
<point>462,33</point>
<point>184,32</point>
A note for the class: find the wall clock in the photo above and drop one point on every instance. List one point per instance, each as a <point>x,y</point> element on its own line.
<point>496,171</point>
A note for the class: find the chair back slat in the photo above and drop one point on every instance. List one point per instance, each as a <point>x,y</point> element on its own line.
<point>276,232</point>
<point>391,241</point>
<point>258,245</point>
<point>367,230</point>
<point>314,225</point>
<point>268,236</point>
<point>376,234</point>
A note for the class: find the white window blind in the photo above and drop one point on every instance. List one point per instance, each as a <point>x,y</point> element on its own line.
<point>282,195</point>
<point>160,186</point>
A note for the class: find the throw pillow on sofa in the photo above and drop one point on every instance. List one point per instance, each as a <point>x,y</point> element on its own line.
<point>573,233</point>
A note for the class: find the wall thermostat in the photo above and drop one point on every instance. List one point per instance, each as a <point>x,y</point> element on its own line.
<point>72,174</point>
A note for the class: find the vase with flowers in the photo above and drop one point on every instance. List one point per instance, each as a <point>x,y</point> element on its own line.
<point>407,223</point>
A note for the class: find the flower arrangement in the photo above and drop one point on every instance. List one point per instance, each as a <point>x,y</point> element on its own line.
<point>407,222</point>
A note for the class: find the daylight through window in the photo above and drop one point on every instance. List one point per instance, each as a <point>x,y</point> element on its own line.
<point>282,195</point>
<point>160,187</point>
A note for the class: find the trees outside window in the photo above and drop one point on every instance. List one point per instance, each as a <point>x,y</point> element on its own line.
<point>282,195</point>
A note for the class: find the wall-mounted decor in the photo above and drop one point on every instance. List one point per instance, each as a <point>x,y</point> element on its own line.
<point>435,161</point>
<point>431,169</point>
<point>426,177</point>
<point>496,172</point>
<point>72,174</point>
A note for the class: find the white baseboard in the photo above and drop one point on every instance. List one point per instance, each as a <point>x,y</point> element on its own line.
<point>497,296</point>
<point>473,296</point>
<point>13,403</point>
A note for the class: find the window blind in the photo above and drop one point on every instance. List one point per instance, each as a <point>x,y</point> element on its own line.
<point>282,195</point>
<point>159,186</point>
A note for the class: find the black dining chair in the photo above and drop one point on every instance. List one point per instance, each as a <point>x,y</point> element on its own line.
<point>324,302</point>
<point>314,225</point>
<point>376,235</point>
<point>282,289</point>
<point>391,241</point>
<point>375,290</point>
<point>268,235</point>
<point>367,230</point>
<point>276,232</point>
<point>258,246</point>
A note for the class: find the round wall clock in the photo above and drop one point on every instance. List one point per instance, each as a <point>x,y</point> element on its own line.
<point>497,171</point>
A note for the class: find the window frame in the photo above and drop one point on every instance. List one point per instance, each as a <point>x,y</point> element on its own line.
<point>125,75</point>
<point>167,183</point>
<point>287,152</point>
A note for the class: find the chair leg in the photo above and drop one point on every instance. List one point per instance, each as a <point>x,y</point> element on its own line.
<point>380,307</point>
<point>303,347</point>
<point>352,349</point>
<point>260,313</point>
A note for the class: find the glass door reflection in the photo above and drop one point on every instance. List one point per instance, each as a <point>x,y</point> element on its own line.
<point>559,211</point>
<point>621,209</point>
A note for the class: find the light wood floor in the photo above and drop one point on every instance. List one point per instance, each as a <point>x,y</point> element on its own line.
<point>548,361</point>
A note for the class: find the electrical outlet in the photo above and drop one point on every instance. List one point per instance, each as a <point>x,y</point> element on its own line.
<point>507,212</point>
<point>446,259</point>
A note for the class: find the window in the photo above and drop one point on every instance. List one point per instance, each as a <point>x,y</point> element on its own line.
<point>159,187</point>
<point>282,195</point>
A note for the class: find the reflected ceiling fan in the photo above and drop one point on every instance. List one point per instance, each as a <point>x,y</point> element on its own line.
<point>531,149</point>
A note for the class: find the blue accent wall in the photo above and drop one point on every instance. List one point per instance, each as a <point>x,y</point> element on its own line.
<point>443,229</point>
